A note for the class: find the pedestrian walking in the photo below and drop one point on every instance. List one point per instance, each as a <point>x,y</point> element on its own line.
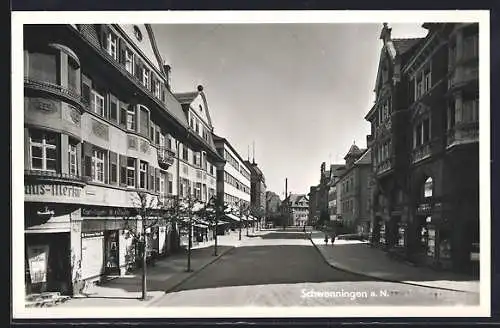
<point>333,239</point>
<point>326,239</point>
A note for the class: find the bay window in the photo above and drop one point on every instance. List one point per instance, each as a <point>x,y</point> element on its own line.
<point>470,110</point>
<point>111,45</point>
<point>131,172</point>
<point>72,162</point>
<point>143,170</point>
<point>98,165</point>
<point>129,61</point>
<point>43,67</point>
<point>43,147</point>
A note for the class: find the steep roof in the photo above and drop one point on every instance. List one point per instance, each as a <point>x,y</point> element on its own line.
<point>186,97</point>
<point>353,151</point>
<point>404,45</point>
<point>294,198</point>
<point>366,158</point>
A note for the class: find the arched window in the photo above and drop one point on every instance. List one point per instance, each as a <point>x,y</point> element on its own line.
<point>428,187</point>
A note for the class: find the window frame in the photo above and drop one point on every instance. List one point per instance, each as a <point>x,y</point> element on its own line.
<point>129,58</point>
<point>72,155</point>
<point>131,169</point>
<point>143,174</point>
<point>96,162</point>
<point>94,95</point>
<point>112,40</point>
<point>131,123</point>
<point>44,146</point>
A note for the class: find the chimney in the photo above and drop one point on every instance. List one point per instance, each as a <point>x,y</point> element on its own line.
<point>168,72</point>
<point>385,35</point>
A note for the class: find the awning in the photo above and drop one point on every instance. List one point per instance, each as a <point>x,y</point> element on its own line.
<point>232,217</point>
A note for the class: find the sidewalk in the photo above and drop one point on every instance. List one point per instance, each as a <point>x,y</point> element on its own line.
<point>358,257</point>
<point>166,274</point>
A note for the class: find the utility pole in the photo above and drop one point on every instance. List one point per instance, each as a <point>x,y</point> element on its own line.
<point>285,221</point>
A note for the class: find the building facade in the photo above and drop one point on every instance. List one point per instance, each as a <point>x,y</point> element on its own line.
<point>354,189</point>
<point>101,124</point>
<point>334,208</point>
<point>427,195</point>
<point>234,179</point>
<point>297,207</point>
<point>273,208</point>
<point>257,191</point>
<point>313,205</point>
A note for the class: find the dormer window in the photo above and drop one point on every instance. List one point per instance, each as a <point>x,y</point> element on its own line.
<point>112,48</point>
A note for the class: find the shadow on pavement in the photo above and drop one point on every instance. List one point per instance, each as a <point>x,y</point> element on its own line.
<point>257,265</point>
<point>360,257</point>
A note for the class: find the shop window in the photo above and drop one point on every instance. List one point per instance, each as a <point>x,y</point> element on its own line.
<point>72,159</point>
<point>98,165</point>
<point>431,242</point>
<point>131,118</point>
<point>97,104</point>
<point>143,170</point>
<point>131,172</point>
<point>43,67</point>
<point>43,147</point>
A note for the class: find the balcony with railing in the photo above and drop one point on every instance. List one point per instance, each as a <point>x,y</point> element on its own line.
<point>384,166</point>
<point>53,177</point>
<point>421,152</point>
<point>67,94</point>
<point>463,133</point>
<point>166,157</point>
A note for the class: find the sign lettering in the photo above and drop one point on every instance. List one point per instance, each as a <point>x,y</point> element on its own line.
<point>52,190</point>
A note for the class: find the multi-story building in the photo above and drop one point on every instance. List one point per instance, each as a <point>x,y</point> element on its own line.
<point>101,124</point>
<point>273,208</point>
<point>234,178</point>
<point>313,205</point>
<point>388,139</point>
<point>257,191</point>
<point>427,183</point>
<point>353,185</point>
<point>334,208</point>
<point>297,207</point>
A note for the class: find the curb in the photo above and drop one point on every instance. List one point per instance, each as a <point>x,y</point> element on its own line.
<point>192,274</point>
<point>383,279</point>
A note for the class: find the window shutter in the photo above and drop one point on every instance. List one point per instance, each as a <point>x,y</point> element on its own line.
<point>123,115</point>
<point>151,185</point>
<point>86,89</point>
<point>157,179</point>
<point>106,167</point>
<point>87,159</point>
<point>121,51</point>
<point>138,69</point>
<point>123,171</point>
<point>104,33</point>
<point>137,173</point>
<point>113,166</point>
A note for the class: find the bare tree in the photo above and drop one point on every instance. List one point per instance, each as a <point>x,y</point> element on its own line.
<point>211,212</point>
<point>146,215</point>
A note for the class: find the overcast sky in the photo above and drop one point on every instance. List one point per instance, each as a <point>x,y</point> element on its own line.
<point>299,91</point>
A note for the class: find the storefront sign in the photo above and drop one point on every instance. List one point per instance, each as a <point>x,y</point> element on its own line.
<point>117,211</point>
<point>52,190</point>
<point>92,234</point>
<point>38,257</point>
